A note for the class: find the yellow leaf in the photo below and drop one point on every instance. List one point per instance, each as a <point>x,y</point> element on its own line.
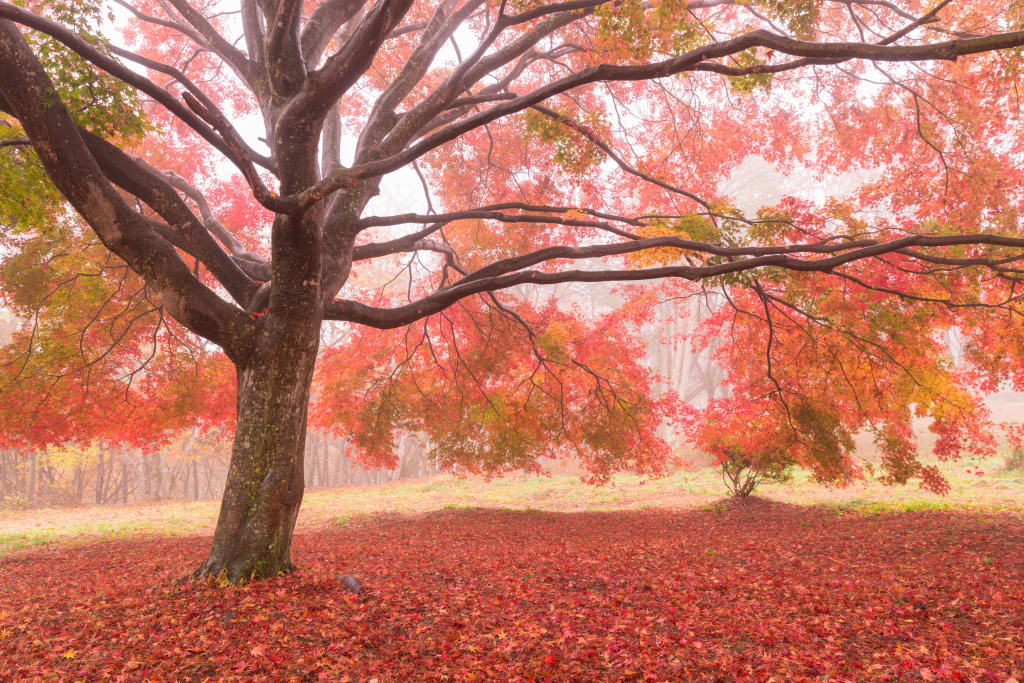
<point>70,654</point>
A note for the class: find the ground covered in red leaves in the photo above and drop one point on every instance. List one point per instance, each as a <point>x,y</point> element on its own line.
<point>757,592</point>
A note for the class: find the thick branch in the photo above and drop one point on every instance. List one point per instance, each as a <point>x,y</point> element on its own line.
<point>327,18</point>
<point>184,29</point>
<point>118,70</point>
<point>284,60</point>
<point>208,104</point>
<point>345,67</point>
<point>149,185</point>
<point>238,151</point>
<point>330,142</point>
<point>509,272</point>
<point>437,221</point>
<point>252,29</point>
<point>211,222</point>
<point>440,28</point>
<point>27,89</point>
<point>475,67</point>
<point>695,59</point>
<point>225,50</point>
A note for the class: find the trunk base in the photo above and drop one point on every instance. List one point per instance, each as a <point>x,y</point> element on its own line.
<point>239,571</point>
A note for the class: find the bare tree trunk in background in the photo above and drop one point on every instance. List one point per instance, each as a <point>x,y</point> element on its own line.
<point>146,476</point>
<point>325,462</point>
<point>411,455</point>
<point>114,482</point>
<point>5,472</point>
<point>171,482</point>
<point>309,461</point>
<point>98,493</point>
<point>30,493</point>
<point>157,475</point>
<point>346,468</point>
<point>78,483</point>
<point>124,478</point>
<point>326,452</point>
<point>208,471</point>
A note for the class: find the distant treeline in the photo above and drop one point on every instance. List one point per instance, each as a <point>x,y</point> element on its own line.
<point>191,467</point>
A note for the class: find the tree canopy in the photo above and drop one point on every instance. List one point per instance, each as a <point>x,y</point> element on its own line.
<point>533,144</point>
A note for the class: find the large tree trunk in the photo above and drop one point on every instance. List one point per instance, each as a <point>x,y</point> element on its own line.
<point>274,368</point>
<point>265,476</point>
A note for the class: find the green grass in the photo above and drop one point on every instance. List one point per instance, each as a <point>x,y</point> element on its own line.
<point>17,541</point>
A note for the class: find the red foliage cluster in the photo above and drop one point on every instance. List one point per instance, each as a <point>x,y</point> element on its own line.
<point>746,592</point>
<point>494,398</point>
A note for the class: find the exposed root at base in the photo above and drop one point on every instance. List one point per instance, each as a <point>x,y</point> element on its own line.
<point>218,573</point>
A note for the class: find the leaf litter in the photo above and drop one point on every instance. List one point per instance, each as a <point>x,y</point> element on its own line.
<point>755,592</point>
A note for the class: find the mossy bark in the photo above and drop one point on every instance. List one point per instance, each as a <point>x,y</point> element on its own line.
<point>265,477</point>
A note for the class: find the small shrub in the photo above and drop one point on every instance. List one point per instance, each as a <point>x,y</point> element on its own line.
<point>741,474</point>
<point>14,501</point>
<point>1015,460</point>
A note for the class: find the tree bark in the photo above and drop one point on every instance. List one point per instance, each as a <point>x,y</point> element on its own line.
<point>346,467</point>
<point>265,476</point>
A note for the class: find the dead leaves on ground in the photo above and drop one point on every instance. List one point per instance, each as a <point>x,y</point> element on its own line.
<point>757,592</point>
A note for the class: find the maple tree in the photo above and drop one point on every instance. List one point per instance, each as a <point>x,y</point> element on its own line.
<point>546,138</point>
<point>92,374</point>
<point>744,445</point>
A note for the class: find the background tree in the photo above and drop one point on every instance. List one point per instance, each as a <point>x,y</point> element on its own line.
<point>575,141</point>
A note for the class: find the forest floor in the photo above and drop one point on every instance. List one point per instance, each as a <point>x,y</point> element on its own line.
<point>538,579</point>
<point>757,591</point>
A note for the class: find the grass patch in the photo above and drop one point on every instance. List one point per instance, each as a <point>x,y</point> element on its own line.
<point>876,507</point>
<point>19,541</point>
